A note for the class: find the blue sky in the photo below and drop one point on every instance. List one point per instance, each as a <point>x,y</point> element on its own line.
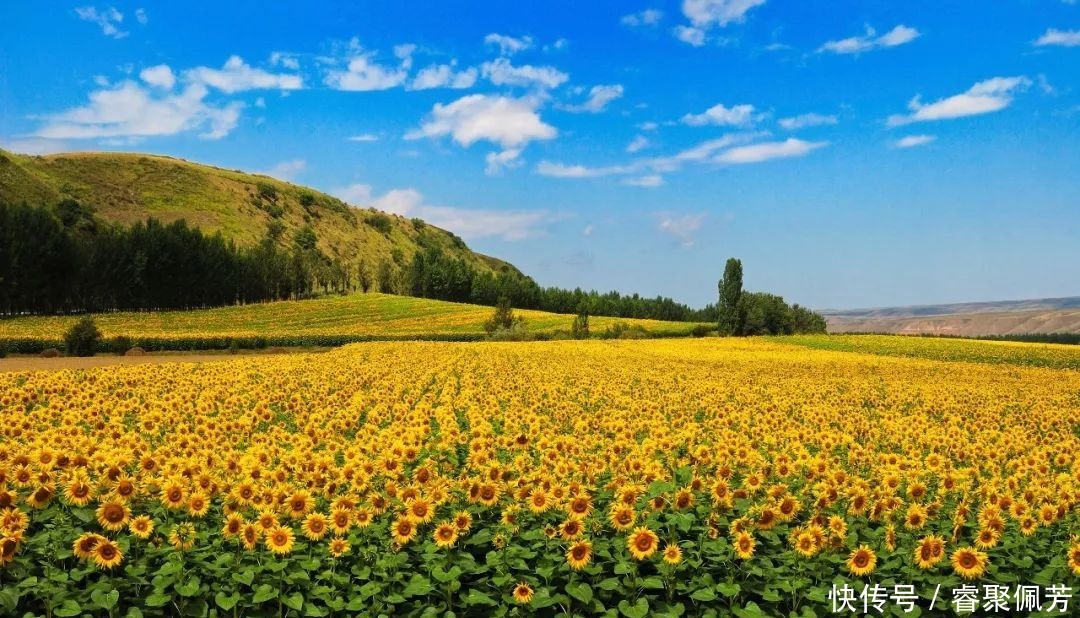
<point>853,154</point>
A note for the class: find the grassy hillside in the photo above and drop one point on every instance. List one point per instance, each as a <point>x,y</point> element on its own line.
<point>326,320</point>
<point>126,188</point>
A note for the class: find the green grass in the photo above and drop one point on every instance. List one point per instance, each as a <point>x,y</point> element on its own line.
<point>330,320</point>
<point>1057,356</point>
<point>125,188</point>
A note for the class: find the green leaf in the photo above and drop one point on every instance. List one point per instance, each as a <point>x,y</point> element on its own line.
<point>750,611</point>
<point>704,595</point>
<point>227,601</point>
<point>475,597</point>
<point>369,590</point>
<point>134,612</point>
<point>652,582</point>
<point>293,601</point>
<point>622,568</point>
<point>189,588</point>
<point>637,610</point>
<point>68,608</point>
<point>156,599</point>
<point>104,600</point>
<point>580,591</point>
<point>609,584</point>
<point>728,589</point>
<point>264,593</point>
<point>418,585</point>
<point>244,577</point>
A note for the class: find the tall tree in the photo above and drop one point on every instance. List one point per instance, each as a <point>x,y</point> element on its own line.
<point>730,288</point>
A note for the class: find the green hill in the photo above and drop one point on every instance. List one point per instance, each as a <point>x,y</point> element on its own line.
<point>126,188</point>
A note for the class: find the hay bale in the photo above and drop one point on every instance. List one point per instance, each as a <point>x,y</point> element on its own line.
<point>50,353</point>
<point>135,351</point>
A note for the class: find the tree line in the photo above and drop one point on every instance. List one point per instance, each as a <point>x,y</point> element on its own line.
<point>742,313</point>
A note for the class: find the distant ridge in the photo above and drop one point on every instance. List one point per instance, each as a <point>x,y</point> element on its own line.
<point>1009,317</point>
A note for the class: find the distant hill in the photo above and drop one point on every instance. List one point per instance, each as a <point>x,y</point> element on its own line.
<point>1012,317</point>
<point>126,188</point>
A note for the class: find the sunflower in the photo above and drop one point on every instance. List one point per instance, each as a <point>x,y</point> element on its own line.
<point>916,517</point>
<point>182,536</point>
<point>403,530</point>
<point>571,529</point>
<point>141,526</point>
<point>861,561</point>
<point>78,492</point>
<point>929,551</point>
<point>14,521</point>
<point>488,495</point>
<point>579,507</point>
<point>267,520</point>
<point>642,543</point>
<point>198,504</point>
<point>299,503</point>
<point>744,545</point>
<point>419,510</point>
<point>279,540</point>
<point>363,517</point>
<point>838,526</point>
<point>523,593</point>
<point>41,496</point>
<point>445,534</point>
<point>9,546</point>
<point>684,499</point>
<point>1074,558</point>
<point>1028,525</point>
<point>805,544</point>
<point>339,547</point>
<point>463,521</point>
<point>113,516</point>
<point>106,554</point>
<point>672,554</point>
<point>969,562</point>
<point>250,536</point>
<point>622,517</point>
<point>579,555</point>
<point>234,525</point>
<point>172,495</point>
<point>83,547</point>
<point>987,538</point>
<point>315,526</point>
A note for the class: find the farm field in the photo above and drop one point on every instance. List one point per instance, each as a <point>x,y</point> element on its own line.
<point>328,320</point>
<point>666,477</point>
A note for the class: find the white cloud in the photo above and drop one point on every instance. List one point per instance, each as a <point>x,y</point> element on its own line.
<point>107,19</point>
<point>638,143</point>
<point>509,45</point>
<point>364,137</point>
<point>503,159</point>
<point>690,35</point>
<point>649,126</point>
<point>650,181</point>
<point>1065,38</point>
<point>466,222</point>
<point>160,76</point>
<point>284,59</point>
<point>501,73</point>
<point>899,35</point>
<point>648,17</point>
<point>806,120</point>
<point>140,16</point>
<point>912,141</point>
<point>287,170</point>
<point>987,96</point>
<point>443,76</point>
<point>766,151</point>
<point>36,146</point>
<point>237,76</point>
<point>363,73</point>
<point>510,123</point>
<point>558,45</point>
<point>587,231</point>
<point>129,110</point>
<point>560,170</point>
<point>738,115</point>
<point>682,228</point>
<point>599,97</point>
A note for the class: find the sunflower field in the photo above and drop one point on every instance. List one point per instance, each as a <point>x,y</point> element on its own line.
<point>705,477</point>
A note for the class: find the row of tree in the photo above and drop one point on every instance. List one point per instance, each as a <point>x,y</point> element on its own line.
<point>743,313</point>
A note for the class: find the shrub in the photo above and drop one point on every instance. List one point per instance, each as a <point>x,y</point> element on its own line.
<point>49,353</point>
<point>119,345</point>
<point>82,339</point>
<point>503,318</point>
<point>580,328</point>
<point>3,349</point>
<point>702,330</point>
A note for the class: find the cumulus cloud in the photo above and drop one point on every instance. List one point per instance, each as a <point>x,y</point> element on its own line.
<point>364,137</point>
<point>1065,38</point>
<point>912,141</point>
<point>140,16</point>
<point>650,181</point>
<point>706,14</point>
<point>806,120</point>
<point>648,17</point>
<point>469,223</point>
<point>987,96</point>
<point>766,151</point>
<point>899,35</point>
<point>738,115</point>
<point>363,73</point>
<point>35,146</point>
<point>130,110</point>
<point>509,45</point>
<point>599,97</point>
<point>638,143</point>
<point>237,76</point>
<point>501,73</point>
<point>286,60</point>
<point>287,170</point>
<point>682,228</point>
<point>108,20</point>
<point>160,76</point>
<point>443,76</point>
<point>507,122</point>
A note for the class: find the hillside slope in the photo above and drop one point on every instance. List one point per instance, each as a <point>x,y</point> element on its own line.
<point>126,188</point>
<point>1014,317</point>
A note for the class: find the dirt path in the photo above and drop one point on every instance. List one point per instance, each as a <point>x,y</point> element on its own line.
<point>34,363</point>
